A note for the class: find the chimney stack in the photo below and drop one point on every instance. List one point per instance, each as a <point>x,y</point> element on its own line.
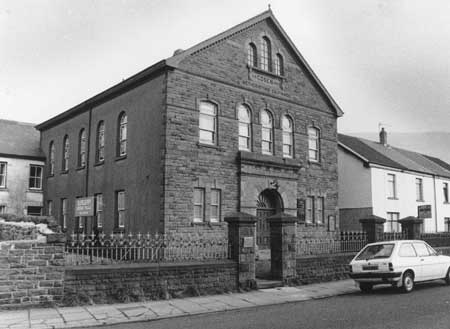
<point>383,137</point>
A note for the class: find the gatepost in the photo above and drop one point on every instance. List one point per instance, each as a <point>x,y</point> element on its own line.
<point>283,246</point>
<point>412,227</point>
<point>374,227</point>
<point>241,239</point>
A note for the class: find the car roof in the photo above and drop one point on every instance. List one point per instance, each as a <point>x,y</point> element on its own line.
<point>393,241</point>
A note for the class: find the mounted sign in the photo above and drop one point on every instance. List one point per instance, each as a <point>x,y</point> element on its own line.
<point>84,206</point>
<point>424,211</point>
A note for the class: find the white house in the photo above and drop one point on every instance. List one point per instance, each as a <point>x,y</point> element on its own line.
<point>21,169</point>
<point>379,179</point>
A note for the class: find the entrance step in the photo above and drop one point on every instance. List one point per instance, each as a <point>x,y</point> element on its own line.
<point>266,284</point>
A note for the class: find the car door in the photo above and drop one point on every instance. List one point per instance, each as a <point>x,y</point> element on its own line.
<point>408,259</point>
<point>428,263</point>
<point>438,264</point>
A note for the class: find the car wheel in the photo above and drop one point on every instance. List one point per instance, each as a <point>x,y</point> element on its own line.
<point>365,287</point>
<point>447,277</point>
<point>408,282</point>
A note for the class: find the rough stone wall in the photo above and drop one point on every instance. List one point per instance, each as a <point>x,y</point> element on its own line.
<point>134,282</point>
<point>323,268</point>
<point>15,232</point>
<point>31,273</point>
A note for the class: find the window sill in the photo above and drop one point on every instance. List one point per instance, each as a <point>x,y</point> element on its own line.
<point>270,73</point>
<point>420,200</point>
<point>207,223</point>
<point>392,198</point>
<point>64,172</point>
<point>50,175</point>
<point>121,157</point>
<point>81,168</point>
<point>119,230</point>
<point>315,163</point>
<point>212,146</point>
<point>3,188</point>
<point>100,163</point>
<point>35,190</point>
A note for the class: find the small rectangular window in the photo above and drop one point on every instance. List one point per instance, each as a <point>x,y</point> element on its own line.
<point>63,220</point>
<point>320,210</point>
<point>2,209</point>
<point>199,204</point>
<point>34,211</point>
<point>419,189</point>
<point>3,174</point>
<point>49,208</point>
<point>35,180</point>
<point>310,210</point>
<point>391,186</point>
<point>392,224</point>
<point>445,190</point>
<point>120,211</point>
<point>313,144</point>
<point>215,205</point>
<point>99,210</point>
<point>447,224</point>
<point>208,123</point>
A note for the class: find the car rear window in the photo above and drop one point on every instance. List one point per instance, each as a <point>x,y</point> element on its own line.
<point>376,251</point>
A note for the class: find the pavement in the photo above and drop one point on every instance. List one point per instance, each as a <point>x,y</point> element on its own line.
<point>97,315</point>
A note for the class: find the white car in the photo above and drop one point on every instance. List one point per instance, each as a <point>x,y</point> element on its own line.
<point>399,263</point>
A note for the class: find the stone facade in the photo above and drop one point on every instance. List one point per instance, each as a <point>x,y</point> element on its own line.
<point>166,161</point>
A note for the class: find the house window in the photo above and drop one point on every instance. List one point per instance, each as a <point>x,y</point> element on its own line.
<point>35,180</point>
<point>120,210</point>
<point>419,189</point>
<point>34,211</point>
<point>99,210</point>
<point>313,144</point>
<point>82,148</point>
<point>244,128</point>
<point>391,185</point>
<point>3,174</point>
<point>286,123</point>
<point>252,55</point>
<point>2,209</point>
<point>65,159</point>
<point>310,209</point>
<point>63,220</point>
<point>267,132</point>
<point>445,190</point>
<point>279,69</point>
<point>199,204</point>
<point>122,135</point>
<point>100,149</point>
<point>392,224</point>
<point>447,224</point>
<point>51,159</point>
<point>320,210</point>
<point>215,205</point>
<point>208,123</point>
<point>49,208</point>
<point>266,54</point>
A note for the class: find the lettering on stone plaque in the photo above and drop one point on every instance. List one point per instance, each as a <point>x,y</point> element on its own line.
<point>248,242</point>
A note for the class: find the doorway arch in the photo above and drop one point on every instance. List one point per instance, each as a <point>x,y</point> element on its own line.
<point>269,203</point>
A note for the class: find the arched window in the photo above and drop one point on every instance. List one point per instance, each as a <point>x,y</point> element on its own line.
<point>252,57</point>
<point>244,117</point>
<point>65,155</point>
<point>279,65</point>
<point>266,54</point>
<point>82,148</point>
<point>208,123</point>
<point>267,132</point>
<point>314,144</point>
<point>288,136</point>
<point>122,135</point>
<point>100,149</point>
<point>51,159</point>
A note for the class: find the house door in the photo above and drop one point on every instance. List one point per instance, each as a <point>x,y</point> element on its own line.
<point>269,203</point>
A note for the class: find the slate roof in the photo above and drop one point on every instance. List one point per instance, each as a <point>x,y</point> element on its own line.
<point>394,157</point>
<point>19,140</point>
<point>174,60</point>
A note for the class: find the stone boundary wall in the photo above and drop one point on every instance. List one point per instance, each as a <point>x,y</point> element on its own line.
<point>31,273</point>
<point>138,282</point>
<point>12,231</point>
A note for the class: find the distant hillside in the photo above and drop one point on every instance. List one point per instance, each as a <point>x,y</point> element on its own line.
<point>436,144</point>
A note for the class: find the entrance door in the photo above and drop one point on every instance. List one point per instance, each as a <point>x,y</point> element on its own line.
<point>269,203</point>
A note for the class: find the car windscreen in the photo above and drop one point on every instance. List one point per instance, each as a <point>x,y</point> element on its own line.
<point>376,251</point>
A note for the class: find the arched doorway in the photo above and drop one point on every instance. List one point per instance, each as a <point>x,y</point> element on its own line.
<point>269,203</point>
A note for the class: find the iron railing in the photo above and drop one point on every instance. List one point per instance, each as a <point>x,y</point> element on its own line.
<point>441,239</point>
<point>344,242</point>
<point>391,236</point>
<point>151,248</point>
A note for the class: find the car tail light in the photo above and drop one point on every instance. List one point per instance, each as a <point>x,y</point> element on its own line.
<point>391,267</point>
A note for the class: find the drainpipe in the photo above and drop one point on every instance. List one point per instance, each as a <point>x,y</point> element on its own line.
<point>435,202</point>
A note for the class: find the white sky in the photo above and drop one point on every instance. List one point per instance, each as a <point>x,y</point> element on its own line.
<point>382,60</point>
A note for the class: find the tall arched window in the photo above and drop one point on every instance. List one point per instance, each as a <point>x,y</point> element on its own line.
<point>288,136</point>
<point>100,149</point>
<point>65,155</point>
<point>266,54</point>
<point>314,144</point>
<point>279,65</point>
<point>51,159</point>
<point>252,57</point>
<point>244,118</point>
<point>122,135</point>
<point>82,148</point>
<point>208,123</point>
<point>267,132</point>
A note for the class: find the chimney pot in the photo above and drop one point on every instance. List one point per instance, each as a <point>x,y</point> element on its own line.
<point>383,137</point>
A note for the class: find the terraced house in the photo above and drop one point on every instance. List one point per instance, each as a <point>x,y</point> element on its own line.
<point>238,122</point>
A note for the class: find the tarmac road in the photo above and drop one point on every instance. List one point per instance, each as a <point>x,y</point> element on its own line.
<point>427,307</point>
